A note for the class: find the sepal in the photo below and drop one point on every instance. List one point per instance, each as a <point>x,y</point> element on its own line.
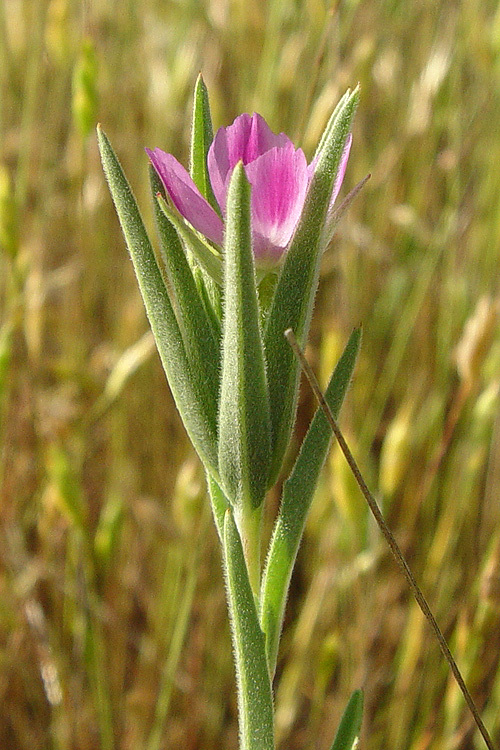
<point>208,258</point>
<point>294,296</point>
<point>202,135</point>
<point>200,340</point>
<point>244,421</point>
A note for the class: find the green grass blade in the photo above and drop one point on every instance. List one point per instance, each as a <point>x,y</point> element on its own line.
<point>298,492</point>
<point>255,701</point>
<point>294,296</point>
<point>347,736</point>
<point>190,402</point>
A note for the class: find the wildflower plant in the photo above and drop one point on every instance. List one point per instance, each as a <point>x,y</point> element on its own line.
<point>241,237</point>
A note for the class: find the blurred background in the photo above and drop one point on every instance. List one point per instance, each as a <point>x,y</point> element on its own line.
<point>113,629</point>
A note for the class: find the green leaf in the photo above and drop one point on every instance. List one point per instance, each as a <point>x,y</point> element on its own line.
<point>255,701</point>
<point>298,492</point>
<point>294,296</point>
<point>331,124</point>
<point>201,345</point>
<point>201,138</point>
<point>211,303</point>
<point>207,257</point>
<point>183,382</point>
<point>244,423</point>
<point>347,736</point>
<point>220,504</point>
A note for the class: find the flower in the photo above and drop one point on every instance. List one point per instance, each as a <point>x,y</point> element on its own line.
<point>277,172</point>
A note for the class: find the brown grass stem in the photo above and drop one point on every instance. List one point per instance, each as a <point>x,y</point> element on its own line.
<point>395,549</point>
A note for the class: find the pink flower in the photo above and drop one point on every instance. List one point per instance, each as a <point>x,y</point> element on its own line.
<point>278,174</point>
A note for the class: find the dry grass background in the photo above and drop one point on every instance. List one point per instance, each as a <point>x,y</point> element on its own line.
<point>113,628</point>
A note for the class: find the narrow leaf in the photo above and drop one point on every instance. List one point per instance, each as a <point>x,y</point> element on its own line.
<point>331,124</point>
<point>220,504</point>
<point>210,261</point>
<point>255,701</point>
<point>202,346</point>
<point>244,423</point>
<point>201,139</point>
<point>298,492</point>
<point>213,306</point>
<point>185,387</point>
<point>347,736</point>
<point>294,297</point>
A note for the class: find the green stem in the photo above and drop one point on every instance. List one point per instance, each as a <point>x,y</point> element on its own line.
<point>248,520</point>
<point>255,702</point>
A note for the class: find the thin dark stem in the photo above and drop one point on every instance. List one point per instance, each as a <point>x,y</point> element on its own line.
<point>421,601</point>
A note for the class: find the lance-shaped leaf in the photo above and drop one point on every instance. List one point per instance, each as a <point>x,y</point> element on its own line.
<point>209,259</point>
<point>298,492</point>
<point>201,344</point>
<point>294,297</point>
<point>347,736</point>
<point>244,424</point>
<point>202,135</point>
<point>255,701</point>
<point>213,307</point>
<point>331,124</point>
<point>184,383</point>
<point>220,504</point>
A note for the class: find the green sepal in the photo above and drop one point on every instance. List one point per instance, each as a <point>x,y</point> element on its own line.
<point>294,296</point>
<point>347,737</point>
<point>331,123</point>
<point>200,341</point>
<point>185,385</point>
<point>202,135</point>
<point>201,139</point>
<point>208,258</point>
<point>298,492</point>
<point>244,422</point>
<point>213,307</point>
<point>255,702</point>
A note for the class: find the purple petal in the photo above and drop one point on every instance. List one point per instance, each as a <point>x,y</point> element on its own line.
<point>185,195</point>
<point>279,181</point>
<point>245,140</point>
